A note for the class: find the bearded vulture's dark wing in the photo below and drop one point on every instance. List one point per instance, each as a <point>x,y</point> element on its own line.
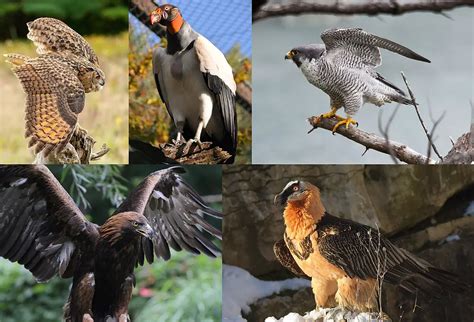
<point>361,252</point>
<point>177,214</point>
<point>220,81</point>
<point>40,226</point>
<point>284,256</point>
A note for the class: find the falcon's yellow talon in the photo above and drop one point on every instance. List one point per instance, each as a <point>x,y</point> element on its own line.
<point>330,114</point>
<point>346,121</point>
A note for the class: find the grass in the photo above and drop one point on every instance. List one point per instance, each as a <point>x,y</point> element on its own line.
<point>105,115</point>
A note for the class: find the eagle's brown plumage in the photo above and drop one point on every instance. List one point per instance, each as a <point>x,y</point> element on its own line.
<point>346,260</point>
<point>42,229</point>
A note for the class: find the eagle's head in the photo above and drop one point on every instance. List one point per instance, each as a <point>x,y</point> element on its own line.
<point>305,53</point>
<point>294,191</point>
<point>126,225</point>
<point>167,15</point>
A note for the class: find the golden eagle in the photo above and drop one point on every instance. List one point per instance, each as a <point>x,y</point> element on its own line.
<point>42,228</point>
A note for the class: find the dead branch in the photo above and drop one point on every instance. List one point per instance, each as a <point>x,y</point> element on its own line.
<point>193,154</point>
<point>368,7</point>
<point>428,135</point>
<point>371,141</point>
<point>385,130</point>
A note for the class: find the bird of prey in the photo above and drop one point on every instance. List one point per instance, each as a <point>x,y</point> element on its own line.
<point>55,83</point>
<point>346,260</point>
<point>42,229</point>
<point>344,68</point>
<point>195,82</point>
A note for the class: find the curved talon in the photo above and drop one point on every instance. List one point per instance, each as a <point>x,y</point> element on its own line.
<point>197,141</point>
<point>346,121</point>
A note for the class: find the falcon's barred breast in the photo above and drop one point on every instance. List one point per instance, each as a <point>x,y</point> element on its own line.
<point>344,68</point>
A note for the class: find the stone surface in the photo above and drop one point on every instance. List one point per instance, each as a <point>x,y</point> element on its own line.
<point>394,198</point>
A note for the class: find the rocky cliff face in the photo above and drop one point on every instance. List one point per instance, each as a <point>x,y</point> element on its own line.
<point>421,207</point>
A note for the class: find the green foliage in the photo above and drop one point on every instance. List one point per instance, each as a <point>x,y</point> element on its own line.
<point>106,179</point>
<point>185,288</point>
<point>19,292</point>
<point>86,17</point>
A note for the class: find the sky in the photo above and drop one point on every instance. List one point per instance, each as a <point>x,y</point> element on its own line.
<point>224,23</point>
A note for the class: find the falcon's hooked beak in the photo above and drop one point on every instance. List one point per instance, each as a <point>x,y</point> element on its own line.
<point>290,54</point>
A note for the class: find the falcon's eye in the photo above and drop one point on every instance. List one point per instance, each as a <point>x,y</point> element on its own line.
<point>135,224</point>
<point>294,52</point>
<point>167,8</point>
<point>97,76</point>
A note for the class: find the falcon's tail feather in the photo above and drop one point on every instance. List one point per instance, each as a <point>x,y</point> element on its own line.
<point>402,100</point>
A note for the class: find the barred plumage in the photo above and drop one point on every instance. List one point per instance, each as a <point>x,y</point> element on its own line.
<point>55,82</point>
<point>344,68</point>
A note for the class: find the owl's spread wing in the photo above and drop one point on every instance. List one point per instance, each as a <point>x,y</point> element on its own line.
<point>54,97</point>
<point>52,35</point>
<point>356,48</point>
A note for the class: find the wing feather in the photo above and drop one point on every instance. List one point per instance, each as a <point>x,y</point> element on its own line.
<point>362,45</point>
<point>177,214</point>
<point>362,252</point>
<point>52,35</point>
<point>40,226</point>
<point>54,98</point>
<point>220,81</point>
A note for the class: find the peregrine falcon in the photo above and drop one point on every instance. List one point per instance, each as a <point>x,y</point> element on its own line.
<point>195,82</point>
<point>344,68</point>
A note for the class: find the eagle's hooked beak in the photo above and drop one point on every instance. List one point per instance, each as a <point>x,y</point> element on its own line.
<point>146,231</point>
<point>289,55</point>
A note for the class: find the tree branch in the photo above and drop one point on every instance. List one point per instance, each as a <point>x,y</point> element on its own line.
<point>368,7</point>
<point>372,141</point>
<point>428,135</point>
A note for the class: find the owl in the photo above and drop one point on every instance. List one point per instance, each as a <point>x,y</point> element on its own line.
<point>55,83</point>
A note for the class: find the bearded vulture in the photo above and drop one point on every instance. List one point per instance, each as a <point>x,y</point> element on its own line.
<point>347,260</point>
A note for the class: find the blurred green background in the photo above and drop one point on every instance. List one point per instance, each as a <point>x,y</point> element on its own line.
<point>104,24</point>
<point>185,288</point>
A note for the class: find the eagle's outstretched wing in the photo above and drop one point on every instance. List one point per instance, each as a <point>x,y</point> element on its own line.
<point>363,46</point>
<point>177,214</point>
<point>40,226</point>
